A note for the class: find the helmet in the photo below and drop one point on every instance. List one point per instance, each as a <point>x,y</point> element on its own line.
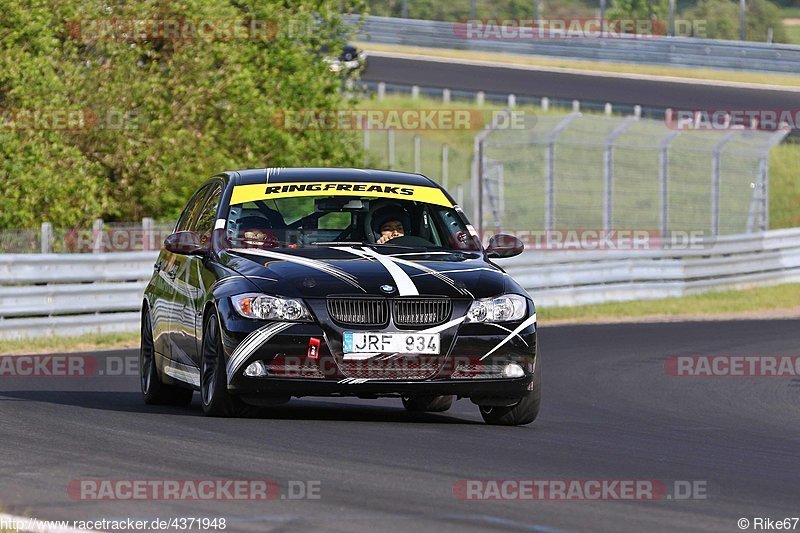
<point>385,213</point>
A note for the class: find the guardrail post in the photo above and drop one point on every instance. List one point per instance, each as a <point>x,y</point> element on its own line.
<point>607,109</point>
<point>414,92</point>
<point>480,98</point>
<point>381,90</point>
<point>148,235</point>
<point>512,100</point>
<point>446,96</point>
<point>637,111</point>
<point>663,179</point>
<point>97,236</point>
<point>608,170</point>
<point>545,104</point>
<point>390,140</point>
<point>550,171</point>
<point>576,106</point>
<point>445,154</point>
<point>716,159</point>
<point>417,155</point>
<point>47,238</point>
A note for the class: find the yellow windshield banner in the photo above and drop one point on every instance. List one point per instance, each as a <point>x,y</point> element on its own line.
<point>269,191</point>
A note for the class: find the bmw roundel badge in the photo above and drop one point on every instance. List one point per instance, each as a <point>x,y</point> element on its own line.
<point>387,289</point>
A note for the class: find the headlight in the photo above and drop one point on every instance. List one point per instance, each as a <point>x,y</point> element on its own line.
<point>266,307</point>
<point>500,309</point>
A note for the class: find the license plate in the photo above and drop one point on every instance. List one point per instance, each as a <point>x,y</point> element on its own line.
<point>365,342</point>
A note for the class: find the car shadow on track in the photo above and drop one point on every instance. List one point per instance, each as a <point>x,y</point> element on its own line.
<point>303,409</point>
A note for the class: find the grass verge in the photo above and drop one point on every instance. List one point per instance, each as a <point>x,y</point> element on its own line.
<point>94,341</point>
<point>593,66</point>
<point>771,302</point>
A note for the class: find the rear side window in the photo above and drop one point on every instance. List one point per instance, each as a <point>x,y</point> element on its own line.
<point>203,225</point>
<point>191,211</point>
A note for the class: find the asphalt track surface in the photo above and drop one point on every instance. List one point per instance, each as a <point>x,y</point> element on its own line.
<point>595,87</point>
<point>610,411</point>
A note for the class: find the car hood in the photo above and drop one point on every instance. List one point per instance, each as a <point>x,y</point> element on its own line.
<point>316,272</point>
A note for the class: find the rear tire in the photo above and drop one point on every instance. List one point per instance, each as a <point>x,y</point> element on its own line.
<point>154,390</point>
<point>428,404</point>
<point>215,398</point>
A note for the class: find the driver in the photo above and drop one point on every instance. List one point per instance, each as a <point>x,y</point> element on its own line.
<point>255,233</point>
<point>389,222</point>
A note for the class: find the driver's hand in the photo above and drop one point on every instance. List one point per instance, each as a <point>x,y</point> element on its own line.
<point>384,239</point>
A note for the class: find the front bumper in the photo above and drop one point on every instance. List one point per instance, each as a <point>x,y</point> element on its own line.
<point>305,359</point>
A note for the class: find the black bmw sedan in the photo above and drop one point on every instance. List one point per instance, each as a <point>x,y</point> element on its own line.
<point>281,283</point>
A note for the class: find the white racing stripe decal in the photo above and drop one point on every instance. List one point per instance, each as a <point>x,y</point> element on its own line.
<point>251,343</point>
<point>311,263</point>
<point>519,328</point>
<point>433,272</point>
<point>506,329</point>
<point>405,286</point>
<point>442,327</point>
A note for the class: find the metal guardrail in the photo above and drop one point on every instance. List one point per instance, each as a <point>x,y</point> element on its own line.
<point>576,277</point>
<point>73,294</point>
<point>672,51</point>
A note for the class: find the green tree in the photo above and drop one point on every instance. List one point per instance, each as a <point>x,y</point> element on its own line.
<point>721,19</point>
<point>167,112</point>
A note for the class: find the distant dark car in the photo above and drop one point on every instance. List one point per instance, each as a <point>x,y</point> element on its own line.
<point>281,283</point>
<point>349,60</point>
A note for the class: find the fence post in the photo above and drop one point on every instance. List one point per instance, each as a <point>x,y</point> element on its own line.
<point>716,160</point>
<point>381,90</point>
<point>479,199</point>
<point>607,109</point>
<point>480,98</point>
<point>97,236</point>
<point>414,92</point>
<point>512,100</point>
<point>47,238</point>
<point>390,137</point>
<point>366,146</point>
<point>460,195</point>
<point>446,96</point>
<point>445,151</point>
<point>545,104</point>
<point>417,155</point>
<point>576,106</point>
<point>550,171</point>
<point>608,170</point>
<point>148,235</point>
<point>663,179</point>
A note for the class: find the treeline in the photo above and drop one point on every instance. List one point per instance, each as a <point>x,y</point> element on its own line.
<point>104,114</point>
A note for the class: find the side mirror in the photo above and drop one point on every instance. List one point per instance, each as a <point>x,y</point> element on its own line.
<point>185,243</point>
<point>503,245</point>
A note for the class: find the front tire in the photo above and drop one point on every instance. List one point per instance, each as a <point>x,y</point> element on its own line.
<point>216,399</point>
<point>524,412</point>
<point>428,404</point>
<point>154,390</point>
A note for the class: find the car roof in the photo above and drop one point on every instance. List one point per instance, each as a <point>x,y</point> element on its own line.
<point>293,175</point>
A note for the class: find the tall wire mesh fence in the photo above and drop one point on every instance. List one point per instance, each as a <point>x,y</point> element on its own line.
<point>608,172</point>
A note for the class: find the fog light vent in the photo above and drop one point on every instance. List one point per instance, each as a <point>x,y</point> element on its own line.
<point>256,370</point>
<point>513,370</point>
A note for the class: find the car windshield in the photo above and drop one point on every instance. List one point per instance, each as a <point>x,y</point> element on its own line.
<point>324,220</point>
